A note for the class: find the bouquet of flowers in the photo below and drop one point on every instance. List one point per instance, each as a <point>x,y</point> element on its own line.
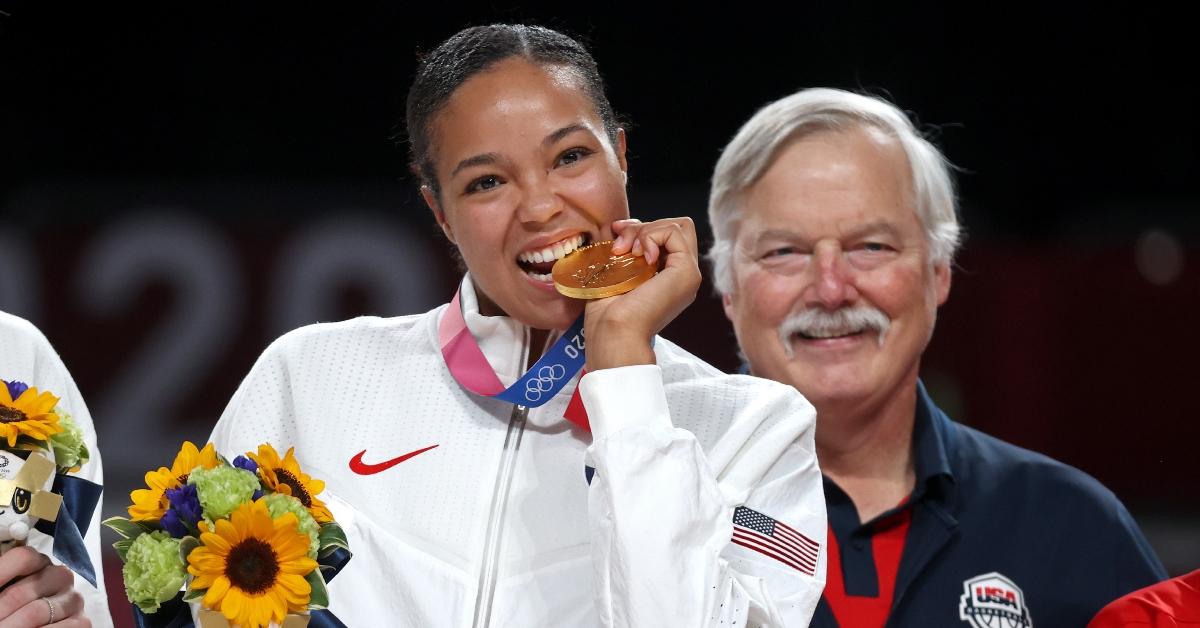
<point>245,537</point>
<point>37,439</point>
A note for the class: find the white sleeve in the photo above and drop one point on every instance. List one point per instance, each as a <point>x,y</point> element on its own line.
<point>51,374</point>
<point>661,510</point>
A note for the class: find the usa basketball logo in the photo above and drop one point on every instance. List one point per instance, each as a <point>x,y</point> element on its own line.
<point>993,601</point>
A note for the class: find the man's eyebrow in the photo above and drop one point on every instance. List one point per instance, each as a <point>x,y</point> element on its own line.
<point>878,226</point>
<point>777,234</point>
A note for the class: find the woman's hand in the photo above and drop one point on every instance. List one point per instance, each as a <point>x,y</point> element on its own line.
<point>618,329</point>
<point>33,592</point>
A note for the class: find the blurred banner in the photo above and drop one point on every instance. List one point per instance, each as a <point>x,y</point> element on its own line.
<point>160,308</point>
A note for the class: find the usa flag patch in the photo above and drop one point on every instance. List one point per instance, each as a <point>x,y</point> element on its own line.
<point>756,531</point>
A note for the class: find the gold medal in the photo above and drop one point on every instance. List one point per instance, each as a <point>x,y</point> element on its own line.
<point>593,272</point>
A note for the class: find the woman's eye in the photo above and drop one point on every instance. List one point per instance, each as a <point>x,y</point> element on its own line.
<point>483,184</point>
<point>573,155</point>
<point>874,247</point>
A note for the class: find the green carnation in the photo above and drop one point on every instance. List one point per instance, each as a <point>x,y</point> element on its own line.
<point>153,570</point>
<point>278,504</point>
<point>70,452</point>
<point>222,489</point>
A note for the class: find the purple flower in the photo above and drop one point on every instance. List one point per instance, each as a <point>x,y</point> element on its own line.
<point>256,495</point>
<point>171,523</point>
<point>243,462</point>
<point>180,519</point>
<point>15,388</point>
<point>186,501</point>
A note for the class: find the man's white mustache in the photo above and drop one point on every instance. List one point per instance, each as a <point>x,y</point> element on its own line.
<point>819,323</point>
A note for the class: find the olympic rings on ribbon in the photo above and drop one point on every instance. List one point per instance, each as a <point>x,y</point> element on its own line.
<point>547,375</point>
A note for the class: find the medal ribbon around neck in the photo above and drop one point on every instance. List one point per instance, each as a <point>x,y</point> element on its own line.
<point>536,387</point>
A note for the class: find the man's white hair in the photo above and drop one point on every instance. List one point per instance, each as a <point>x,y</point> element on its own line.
<point>759,141</point>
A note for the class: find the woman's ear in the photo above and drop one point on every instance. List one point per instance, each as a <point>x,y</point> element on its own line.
<point>438,215</point>
<point>620,148</point>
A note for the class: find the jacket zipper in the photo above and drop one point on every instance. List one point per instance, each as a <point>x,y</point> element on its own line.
<point>486,591</point>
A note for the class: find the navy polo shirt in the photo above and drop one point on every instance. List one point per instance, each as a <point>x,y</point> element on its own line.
<point>997,533</point>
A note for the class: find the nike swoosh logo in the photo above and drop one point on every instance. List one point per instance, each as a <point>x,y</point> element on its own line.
<point>362,468</point>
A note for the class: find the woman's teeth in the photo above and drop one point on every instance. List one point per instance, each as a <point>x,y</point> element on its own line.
<point>538,264</point>
<point>552,253</point>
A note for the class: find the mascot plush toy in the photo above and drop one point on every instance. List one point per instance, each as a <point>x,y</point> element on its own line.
<point>25,495</point>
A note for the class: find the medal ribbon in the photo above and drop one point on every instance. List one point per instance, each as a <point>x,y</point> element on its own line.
<point>537,386</point>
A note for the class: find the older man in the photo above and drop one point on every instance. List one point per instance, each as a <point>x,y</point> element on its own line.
<point>834,228</point>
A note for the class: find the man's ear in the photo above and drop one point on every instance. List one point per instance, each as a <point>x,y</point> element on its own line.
<point>438,215</point>
<point>941,277</point>
<point>727,304</point>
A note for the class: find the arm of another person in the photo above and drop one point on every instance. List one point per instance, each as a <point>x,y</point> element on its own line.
<point>1168,603</point>
<point>49,373</point>
<point>661,509</point>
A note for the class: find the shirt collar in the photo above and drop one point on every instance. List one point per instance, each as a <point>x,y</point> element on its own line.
<point>501,338</point>
<point>932,443</point>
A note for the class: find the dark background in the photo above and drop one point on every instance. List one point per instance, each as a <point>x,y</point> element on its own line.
<point>180,184</point>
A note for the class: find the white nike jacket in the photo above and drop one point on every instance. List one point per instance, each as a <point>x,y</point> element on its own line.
<point>26,356</point>
<point>498,525</point>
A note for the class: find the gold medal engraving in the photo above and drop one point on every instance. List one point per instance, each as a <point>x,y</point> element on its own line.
<point>593,272</point>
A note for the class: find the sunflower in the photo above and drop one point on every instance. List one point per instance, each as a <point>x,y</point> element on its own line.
<point>253,566</point>
<point>30,414</point>
<point>284,476</point>
<point>150,504</point>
